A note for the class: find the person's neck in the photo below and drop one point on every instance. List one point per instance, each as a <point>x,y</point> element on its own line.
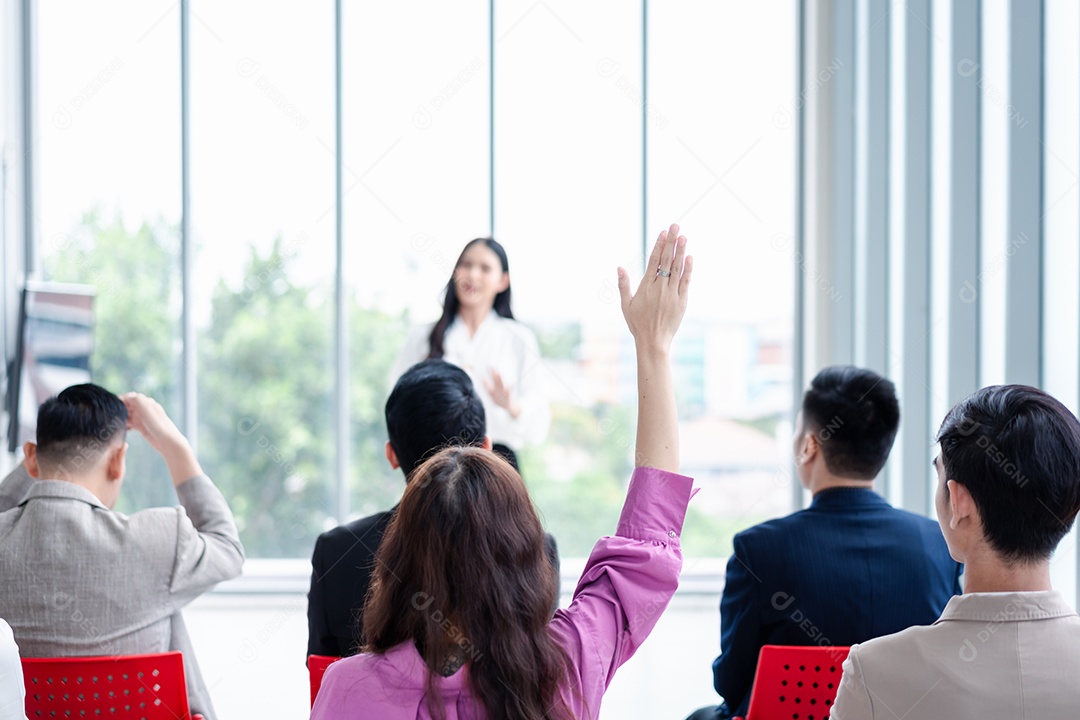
<point>471,317</point>
<point>830,482</point>
<point>985,571</point>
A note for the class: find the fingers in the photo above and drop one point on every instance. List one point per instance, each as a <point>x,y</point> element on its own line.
<point>654,257</point>
<point>680,256</point>
<point>624,289</point>
<point>684,282</point>
<point>668,251</point>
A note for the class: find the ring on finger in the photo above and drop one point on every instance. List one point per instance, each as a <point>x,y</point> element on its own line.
<point>663,273</point>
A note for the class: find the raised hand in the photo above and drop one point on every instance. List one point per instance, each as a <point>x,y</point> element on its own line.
<point>653,314</point>
<point>149,419</point>
<point>655,311</point>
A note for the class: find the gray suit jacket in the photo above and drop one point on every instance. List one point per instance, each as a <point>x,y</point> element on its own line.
<point>79,579</point>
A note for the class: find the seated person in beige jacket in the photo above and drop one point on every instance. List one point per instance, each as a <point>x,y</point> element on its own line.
<point>1009,647</point>
<point>77,578</point>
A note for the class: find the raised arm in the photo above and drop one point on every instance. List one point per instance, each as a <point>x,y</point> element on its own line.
<point>631,576</point>
<point>149,419</point>
<point>653,314</point>
<point>208,543</point>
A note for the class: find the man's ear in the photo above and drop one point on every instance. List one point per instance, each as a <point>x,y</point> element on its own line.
<point>808,448</point>
<point>487,444</point>
<point>116,464</point>
<point>961,504</point>
<point>391,457</point>
<point>31,460</point>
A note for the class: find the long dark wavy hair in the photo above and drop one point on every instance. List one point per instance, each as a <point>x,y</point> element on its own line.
<point>451,302</point>
<point>462,573</point>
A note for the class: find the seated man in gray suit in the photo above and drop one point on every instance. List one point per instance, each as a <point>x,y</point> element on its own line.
<point>77,578</point>
<point>1009,647</point>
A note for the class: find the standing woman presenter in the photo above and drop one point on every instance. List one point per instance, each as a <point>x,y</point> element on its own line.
<point>478,333</point>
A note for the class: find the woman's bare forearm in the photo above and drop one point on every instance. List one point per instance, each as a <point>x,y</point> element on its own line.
<point>653,315</point>
<point>658,420</point>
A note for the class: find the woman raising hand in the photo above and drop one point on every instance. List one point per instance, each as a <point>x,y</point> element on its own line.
<point>457,623</point>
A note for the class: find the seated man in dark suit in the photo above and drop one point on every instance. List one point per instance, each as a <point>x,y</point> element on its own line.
<point>434,404</point>
<point>848,568</point>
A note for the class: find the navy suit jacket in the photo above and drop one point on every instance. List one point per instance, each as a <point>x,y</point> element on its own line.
<point>847,569</point>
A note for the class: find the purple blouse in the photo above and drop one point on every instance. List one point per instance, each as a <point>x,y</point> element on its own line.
<point>627,583</point>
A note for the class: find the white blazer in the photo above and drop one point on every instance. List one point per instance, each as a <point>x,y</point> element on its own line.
<point>503,345</point>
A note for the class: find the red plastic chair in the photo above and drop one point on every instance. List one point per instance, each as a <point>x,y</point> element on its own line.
<point>127,687</point>
<point>796,682</point>
<point>317,665</point>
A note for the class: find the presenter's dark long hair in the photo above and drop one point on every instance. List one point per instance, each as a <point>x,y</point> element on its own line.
<point>451,303</point>
<point>462,574</point>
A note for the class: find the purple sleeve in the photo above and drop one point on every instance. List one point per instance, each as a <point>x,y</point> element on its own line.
<point>628,581</point>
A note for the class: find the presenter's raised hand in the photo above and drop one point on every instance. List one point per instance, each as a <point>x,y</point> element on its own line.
<point>655,311</point>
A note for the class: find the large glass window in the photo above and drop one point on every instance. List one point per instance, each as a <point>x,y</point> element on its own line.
<point>722,164</point>
<point>416,189</point>
<point>1061,231</point>
<point>551,160</point>
<point>109,196</point>
<point>568,207</point>
<point>995,247</point>
<point>263,226</point>
<point>417,162</point>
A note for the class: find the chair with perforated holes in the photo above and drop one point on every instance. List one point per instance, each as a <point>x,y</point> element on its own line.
<point>317,665</point>
<point>796,682</point>
<point>124,687</point>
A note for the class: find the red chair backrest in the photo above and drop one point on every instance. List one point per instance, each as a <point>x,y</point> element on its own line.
<point>317,665</point>
<point>796,682</point>
<point>126,687</point>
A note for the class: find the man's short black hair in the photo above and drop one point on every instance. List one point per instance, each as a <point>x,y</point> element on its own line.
<point>433,405</point>
<point>1017,451</point>
<point>855,414</point>
<point>77,425</point>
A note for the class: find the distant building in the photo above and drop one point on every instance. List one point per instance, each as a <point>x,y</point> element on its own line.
<point>726,370</point>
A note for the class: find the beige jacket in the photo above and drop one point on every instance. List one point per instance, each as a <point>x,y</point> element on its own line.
<point>1012,656</point>
<point>79,579</point>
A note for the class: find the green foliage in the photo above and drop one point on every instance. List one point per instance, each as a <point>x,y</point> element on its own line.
<point>706,536</point>
<point>595,449</point>
<point>265,410</point>
<point>559,342</point>
<point>265,375</point>
<point>375,340</point>
<point>266,391</point>
<point>136,275</point>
